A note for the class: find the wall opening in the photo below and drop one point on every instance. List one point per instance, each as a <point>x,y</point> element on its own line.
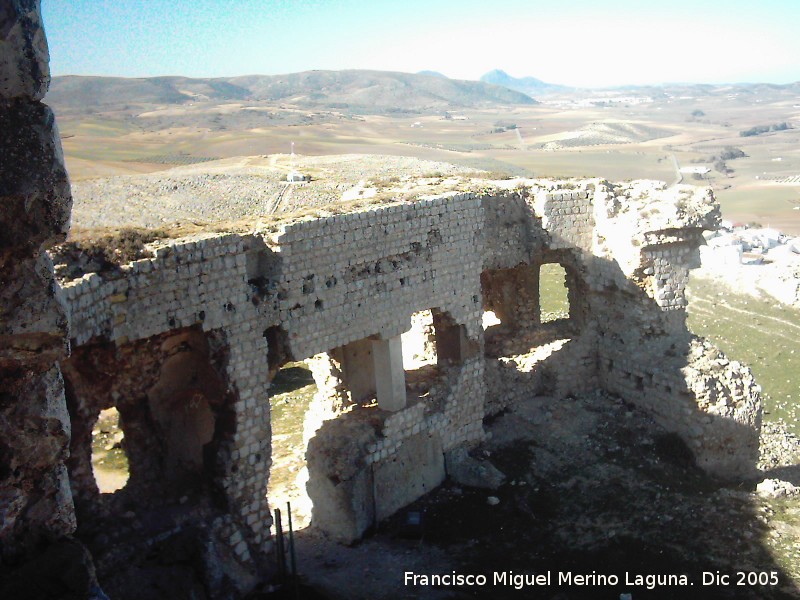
<point>291,393</point>
<point>147,420</point>
<point>490,319</point>
<point>110,465</point>
<point>510,309</point>
<point>373,394</point>
<point>553,293</point>
<point>278,353</point>
<point>539,308</point>
<point>420,356</point>
<point>434,344</point>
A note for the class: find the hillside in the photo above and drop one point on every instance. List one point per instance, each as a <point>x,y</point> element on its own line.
<point>526,85</point>
<point>361,91</point>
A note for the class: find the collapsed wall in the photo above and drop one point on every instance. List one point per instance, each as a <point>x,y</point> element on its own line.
<point>525,356</point>
<point>341,290</point>
<point>627,250</point>
<point>647,238</point>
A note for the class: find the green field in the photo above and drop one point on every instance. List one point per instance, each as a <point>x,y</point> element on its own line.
<point>553,300</point>
<point>757,332</point>
<point>760,333</point>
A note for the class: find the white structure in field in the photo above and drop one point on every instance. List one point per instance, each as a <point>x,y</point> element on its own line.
<point>294,175</point>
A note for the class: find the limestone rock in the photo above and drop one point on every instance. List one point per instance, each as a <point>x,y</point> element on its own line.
<point>24,57</point>
<point>34,434</point>
<point>340,483</point>
<point>34,189</point>
<point>33,324</point>
<point>467,471</point>
<point>416,469</point>
<point>776,488</point>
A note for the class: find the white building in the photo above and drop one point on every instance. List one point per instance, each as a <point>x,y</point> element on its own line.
<point>699,169</point>
<point>764,237</point>
<point>720,256</point>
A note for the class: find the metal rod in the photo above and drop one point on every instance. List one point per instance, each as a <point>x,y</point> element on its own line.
<point>291,550</point>
<point>280,550</point>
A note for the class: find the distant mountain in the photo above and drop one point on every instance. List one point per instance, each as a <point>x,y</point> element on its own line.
<point>699,90</point>
<point>360,91</point>
<point>101,92</point>
<point>527,85</point>
<point>433,74</point>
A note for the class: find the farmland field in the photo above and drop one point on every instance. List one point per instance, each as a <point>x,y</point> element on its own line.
<point>565,136</point>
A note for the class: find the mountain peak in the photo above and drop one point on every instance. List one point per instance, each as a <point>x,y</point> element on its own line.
<point>527,85</point>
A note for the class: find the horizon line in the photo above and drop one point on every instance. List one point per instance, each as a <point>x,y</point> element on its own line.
<point>429,73</point>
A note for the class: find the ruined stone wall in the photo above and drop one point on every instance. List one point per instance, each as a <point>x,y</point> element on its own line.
<point>326,284</point>
<point>630,248</point>
<point>373,269</point>
<point>524,357</point>
<point>335,287</point>
<point>325,288</point>
<point>647,354</point>
<point>567,216</point>
<point>512,233</point>
<point>201,281</point>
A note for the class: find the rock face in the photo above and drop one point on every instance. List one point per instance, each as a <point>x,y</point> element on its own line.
<point>35,499</point>
<point>24,59</point>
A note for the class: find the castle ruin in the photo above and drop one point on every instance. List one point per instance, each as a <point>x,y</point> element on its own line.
<point>184,345</point>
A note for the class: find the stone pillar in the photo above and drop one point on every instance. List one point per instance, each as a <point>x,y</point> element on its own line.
<point>390,378</point>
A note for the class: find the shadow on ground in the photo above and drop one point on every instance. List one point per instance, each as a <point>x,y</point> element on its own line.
<point>594,489</point>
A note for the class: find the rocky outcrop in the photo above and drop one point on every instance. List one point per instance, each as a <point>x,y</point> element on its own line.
<point>24,58</point>
<point>36,507</point>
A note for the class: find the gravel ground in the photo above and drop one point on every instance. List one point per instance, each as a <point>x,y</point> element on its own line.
<point>231,190</point>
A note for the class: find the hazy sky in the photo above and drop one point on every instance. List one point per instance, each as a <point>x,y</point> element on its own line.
<point>575,42</point>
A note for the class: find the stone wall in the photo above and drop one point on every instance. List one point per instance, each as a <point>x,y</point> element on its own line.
<point>647,355</point>
<point>343,289</point>
<point>398,260</point>
<point>184,343</point>
<point>627,250</point>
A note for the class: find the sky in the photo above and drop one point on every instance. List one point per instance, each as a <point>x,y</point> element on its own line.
<point>588,43</point>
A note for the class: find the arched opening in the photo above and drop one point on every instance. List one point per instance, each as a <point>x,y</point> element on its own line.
<point>147,419</point>
<point>540,310</point>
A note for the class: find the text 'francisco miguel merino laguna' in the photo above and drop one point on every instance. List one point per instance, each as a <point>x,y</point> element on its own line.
<point>547,578</point>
